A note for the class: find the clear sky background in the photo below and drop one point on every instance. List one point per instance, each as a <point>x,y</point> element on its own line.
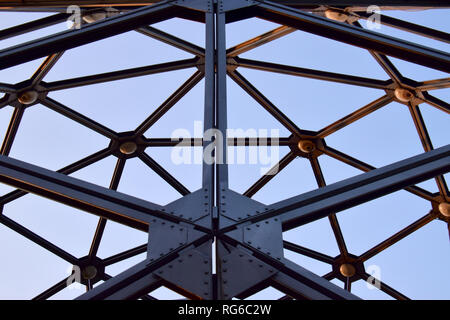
<point>416,266</point>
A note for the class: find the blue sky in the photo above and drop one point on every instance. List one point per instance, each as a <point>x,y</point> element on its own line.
<point>416,266</point>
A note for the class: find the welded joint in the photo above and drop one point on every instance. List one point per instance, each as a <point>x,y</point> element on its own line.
<point>348,267</point>
<point>88,270</point>
<point>441,208</point>
<point>201,64</point>
<point>127,145</point>
<point>406,92</point>
<point>240,271</point>
<point>307,146</point>
<point>197,264</point>
<point>25,94</point>
<point>166,237</point>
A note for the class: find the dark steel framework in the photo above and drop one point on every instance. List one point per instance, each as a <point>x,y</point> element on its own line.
<point>246,234</point>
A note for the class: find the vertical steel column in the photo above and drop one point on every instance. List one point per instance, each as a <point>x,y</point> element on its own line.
<point>221,125</point>
<point>209,120</point>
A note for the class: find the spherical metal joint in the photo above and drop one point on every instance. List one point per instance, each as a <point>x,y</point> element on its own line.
<point>28,97</point>
<point>336,15</point>
<point>94,17</point>
<point>306,146</point>
<point>444,209</point>
<point>404,95</point>
<point>89,272</point>
<point>128,148</point>
<point>347,270</point>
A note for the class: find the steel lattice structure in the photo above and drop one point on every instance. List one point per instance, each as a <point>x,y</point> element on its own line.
<point>247,234</point>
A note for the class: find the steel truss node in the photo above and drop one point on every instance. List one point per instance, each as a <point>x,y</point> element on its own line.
<point>247,235</point>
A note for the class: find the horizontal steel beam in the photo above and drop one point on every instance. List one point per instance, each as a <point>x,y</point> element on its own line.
<point>353,35</point>
<point>231,141</point>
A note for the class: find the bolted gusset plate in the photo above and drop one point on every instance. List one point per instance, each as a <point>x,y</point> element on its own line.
<point>265,236</point>
<point>165,237</point>
<point>240,271</point>
<point>191,271</point>
<point>235,207</point>
<point>193,207</point>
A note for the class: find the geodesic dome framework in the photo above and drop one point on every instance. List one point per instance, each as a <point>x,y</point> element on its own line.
<point>216,243</point>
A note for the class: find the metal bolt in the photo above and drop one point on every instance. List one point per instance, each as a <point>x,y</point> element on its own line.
<point>444,208</point>
<point>306,146</point>
<point>336,15</point>
<point>403,95</point>
<point>89,272</point>
<point>28,97</point>
<point>347,270</point>
<point>129,147</point>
